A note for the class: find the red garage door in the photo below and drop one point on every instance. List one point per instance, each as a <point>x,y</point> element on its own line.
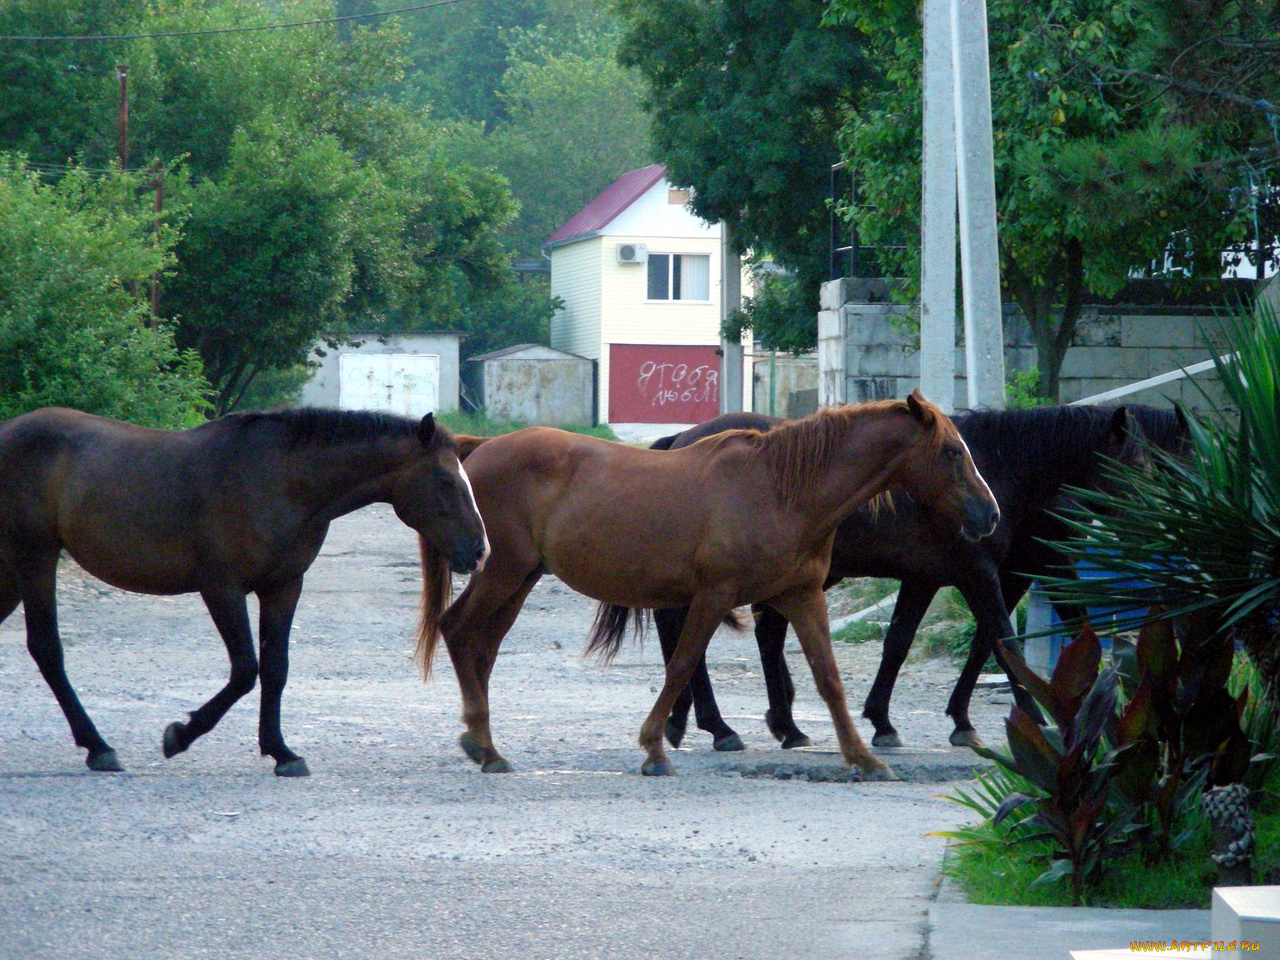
<point>661,384</point>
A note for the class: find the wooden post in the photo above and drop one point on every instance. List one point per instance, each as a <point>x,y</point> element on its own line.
<point>122,74</point>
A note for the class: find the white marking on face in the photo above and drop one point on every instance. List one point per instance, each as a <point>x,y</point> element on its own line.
<point>472,497</point>
<point>977,472</point>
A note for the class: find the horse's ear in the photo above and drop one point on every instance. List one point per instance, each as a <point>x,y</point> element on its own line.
<point>915,403</point>
<point>1184,425</point>
<point>427,430</point>
<point>1121,427</point>
<point>466,444</point>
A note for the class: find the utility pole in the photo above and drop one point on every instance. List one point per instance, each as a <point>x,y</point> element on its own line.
<point>730,300</point>
<point>122,74</point>
<point>975,169</point>
<point>155,277</point>
<point>938,213</point>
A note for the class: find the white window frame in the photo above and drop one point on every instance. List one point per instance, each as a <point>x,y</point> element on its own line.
<point>670,272</point>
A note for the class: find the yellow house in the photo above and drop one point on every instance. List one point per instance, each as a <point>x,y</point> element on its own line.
<point>640,276</point>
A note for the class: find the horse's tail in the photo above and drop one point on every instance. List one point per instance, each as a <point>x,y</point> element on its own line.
<point>437,590</point>
<point>610,628</point>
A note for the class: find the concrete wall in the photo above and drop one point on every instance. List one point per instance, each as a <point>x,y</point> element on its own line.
<point>1112,347</point>
<point>322,389</point>
<point>797,384</point>
<point>551,392</point>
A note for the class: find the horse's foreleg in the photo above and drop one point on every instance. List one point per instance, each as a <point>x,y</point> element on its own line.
<point>771,638</point>
<point>704,615</point>
<point>231,616</point>
<point>36,586</point>
<point>807,611</point>
<point>913,601</point>
<point>275,618</point>
<point>698,693</point>
<point>473,628</point>
<point>991,618</point>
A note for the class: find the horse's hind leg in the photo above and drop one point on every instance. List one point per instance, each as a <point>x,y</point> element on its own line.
<point>275,619</point>
<point>670,623</point>
<point>913,602</point>
<point>771,639</point>
<point>807,611</point>
<point>473,629</point>
<point>231,617</point>
<point>37,584</point>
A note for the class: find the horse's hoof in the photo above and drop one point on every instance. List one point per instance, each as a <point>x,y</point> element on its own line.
<point>768,722</point>
<point>886,740</point>
<point>497,765</point>
<point>966,738</point>
<point>173,744</point>
<point>297,767</point>
<point>471,747</point>
<point>658,768</point>
<point>793,740</point>
<point>729,744</point>
<point>104,761</point>
<point>675,734</point>
<point>877,771</point>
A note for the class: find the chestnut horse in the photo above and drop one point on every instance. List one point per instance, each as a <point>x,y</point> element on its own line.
<point>1030,458</point>
<point>238,505</point>
<point>738,518</point>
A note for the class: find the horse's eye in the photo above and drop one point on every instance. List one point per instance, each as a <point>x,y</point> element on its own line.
<point>952,453</point>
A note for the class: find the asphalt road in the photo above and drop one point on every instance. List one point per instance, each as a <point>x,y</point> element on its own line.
<point>397,846</point>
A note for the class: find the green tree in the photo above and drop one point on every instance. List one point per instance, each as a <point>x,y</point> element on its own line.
<point>745,101</point>
<point>1097,174</point>
<point>71,334</point>
<point>572,123</point>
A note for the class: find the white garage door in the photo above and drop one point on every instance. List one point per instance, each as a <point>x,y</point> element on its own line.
<point>404,383</point>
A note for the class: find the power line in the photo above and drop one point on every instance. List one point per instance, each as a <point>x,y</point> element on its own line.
<point>206,33</point>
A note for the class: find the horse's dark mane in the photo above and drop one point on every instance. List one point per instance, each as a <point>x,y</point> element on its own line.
<point>319,426</point>
<point>1027,442</point>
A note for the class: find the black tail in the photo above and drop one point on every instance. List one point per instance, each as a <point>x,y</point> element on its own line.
<point>610,629</point>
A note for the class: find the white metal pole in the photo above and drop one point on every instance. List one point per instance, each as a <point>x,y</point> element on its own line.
<point>938,212</point>
<point>979,258</point>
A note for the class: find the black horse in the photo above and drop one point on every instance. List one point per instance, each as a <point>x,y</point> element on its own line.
<point>1028,457</point>
<point>240,505</point>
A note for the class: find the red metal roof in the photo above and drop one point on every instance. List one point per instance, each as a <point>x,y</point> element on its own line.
<point>615,198</point>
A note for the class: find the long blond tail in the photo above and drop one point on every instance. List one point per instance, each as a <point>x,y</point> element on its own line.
<point>437,590</point>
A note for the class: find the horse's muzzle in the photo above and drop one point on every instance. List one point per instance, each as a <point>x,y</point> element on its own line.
<point>469,558</point>
<point>980,520</point>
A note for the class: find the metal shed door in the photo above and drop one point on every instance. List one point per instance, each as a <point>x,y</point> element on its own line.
<point>404,383</point>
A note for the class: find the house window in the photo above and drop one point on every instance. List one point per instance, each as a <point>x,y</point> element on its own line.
<point>679,276</point>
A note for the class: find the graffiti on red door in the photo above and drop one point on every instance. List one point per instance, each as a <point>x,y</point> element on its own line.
<point>663,384</point>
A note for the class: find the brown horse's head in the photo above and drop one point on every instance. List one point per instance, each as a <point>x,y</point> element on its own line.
<point>941,475</point>
<point>433,495</point>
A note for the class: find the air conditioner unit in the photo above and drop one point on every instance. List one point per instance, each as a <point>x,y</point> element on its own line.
<point>632,253</point>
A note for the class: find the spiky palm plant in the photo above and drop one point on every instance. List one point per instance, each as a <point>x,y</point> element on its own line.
<point>1203,530</point>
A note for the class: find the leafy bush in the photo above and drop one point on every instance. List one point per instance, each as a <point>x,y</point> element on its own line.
<point>71,333</point>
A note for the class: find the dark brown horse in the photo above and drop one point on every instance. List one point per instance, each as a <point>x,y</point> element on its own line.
<point>237,506</point>
<point>739,518</point>
<point>1029,457</point>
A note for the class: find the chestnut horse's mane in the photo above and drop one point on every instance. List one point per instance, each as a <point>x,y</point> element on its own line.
<point>797,451</point>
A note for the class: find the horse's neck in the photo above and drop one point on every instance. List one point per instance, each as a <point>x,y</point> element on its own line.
<point>338,479</point>
<point>864,464</point>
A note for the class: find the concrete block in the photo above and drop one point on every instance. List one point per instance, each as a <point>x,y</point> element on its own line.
<point>1157,331</point>
<point>1165,360</point>
<point>1246,922</point>
<point>831,295</point>
<point>1117,362</point>
<point>861,389</point>
<point>830,325</point>
<point>1097,331</point>
<point>875,361</point>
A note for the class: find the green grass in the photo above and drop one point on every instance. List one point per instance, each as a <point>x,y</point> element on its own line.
<point>991,870</point>
<point>858,632</point>
<point>481,425</point>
